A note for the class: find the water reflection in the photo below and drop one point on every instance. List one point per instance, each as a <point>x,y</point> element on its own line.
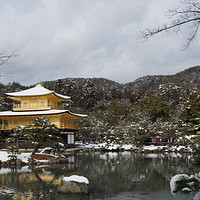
<point>113,173</point>
<point>32,183</point>
<point>122,175</point>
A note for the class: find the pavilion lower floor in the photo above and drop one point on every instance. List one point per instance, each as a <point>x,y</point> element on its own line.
<point>67,137</point>
<point>14,122</point>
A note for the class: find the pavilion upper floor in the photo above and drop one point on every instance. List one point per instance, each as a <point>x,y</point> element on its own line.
<point>37,98</point>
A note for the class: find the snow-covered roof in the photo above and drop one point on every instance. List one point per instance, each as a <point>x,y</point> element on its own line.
<point>62,96</point>
<point>33,113</point>
<point>38,90</point>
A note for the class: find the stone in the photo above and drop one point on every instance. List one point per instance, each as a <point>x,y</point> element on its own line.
<point>74,188</point>
<point>75,185</point>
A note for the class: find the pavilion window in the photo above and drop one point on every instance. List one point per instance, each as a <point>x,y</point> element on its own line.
<point>5,123</point>
<point>42,104</point>
<point>25,104</point>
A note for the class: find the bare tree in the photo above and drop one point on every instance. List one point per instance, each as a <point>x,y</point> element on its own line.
<point>5,58</point>
<point>187,13</point>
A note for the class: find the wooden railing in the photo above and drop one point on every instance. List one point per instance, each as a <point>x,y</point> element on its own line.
<point>61,126</point>
<point>68,126</point>
<point>18,107</point>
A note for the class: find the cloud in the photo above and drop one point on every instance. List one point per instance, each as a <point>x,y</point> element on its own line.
<point>86,38</point>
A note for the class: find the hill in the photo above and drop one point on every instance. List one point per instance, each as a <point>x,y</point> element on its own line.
<point>149,105</point>
<point>175,87</point>
<point>169,87</point>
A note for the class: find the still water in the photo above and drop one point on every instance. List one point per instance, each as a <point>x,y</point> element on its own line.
<point>112,176</point>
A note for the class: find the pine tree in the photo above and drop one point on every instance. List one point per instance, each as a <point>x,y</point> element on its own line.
<point>41,132</point>
<point>58,86</point>
<point>89,95</point>
<point>190,121</point>
<point>70,87</point>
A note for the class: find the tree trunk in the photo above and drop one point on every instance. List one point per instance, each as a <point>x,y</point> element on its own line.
<point>35,150</point>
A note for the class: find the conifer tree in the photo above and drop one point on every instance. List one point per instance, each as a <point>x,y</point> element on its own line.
<point>89,95</point>
<point>41,132</point>
<point>190,116</point>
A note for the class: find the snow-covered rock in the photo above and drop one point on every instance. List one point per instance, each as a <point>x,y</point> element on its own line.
<point>184,183</point>
<point>76,178</point>
<point>177,179</point>
<point>75,184</point>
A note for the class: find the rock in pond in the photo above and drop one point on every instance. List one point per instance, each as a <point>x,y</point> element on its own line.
<point>75,184</point>
<point>58,160</point>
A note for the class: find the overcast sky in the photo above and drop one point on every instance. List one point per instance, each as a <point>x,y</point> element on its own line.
<point>89,38</point>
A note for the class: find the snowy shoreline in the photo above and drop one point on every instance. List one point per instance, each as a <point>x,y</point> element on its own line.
<point>142,149</point>
<point>25,157</point>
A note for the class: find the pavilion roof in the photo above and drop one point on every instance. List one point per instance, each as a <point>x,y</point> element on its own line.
<point>38,90</point>
<point>36,113</point>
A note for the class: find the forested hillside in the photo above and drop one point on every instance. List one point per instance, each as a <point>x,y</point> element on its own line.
<point>142,109</point>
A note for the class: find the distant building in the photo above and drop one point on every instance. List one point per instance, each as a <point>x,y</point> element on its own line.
<point>39,102</point>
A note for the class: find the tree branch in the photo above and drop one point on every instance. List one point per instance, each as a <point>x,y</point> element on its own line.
<point>187,13</point>
<point>5,58</point>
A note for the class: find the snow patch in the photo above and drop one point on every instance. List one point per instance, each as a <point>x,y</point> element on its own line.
<point>76,178</point>
<point>175,179</point>
<point>186,189</point>
<point>46,149</point>
<point>5,191</point>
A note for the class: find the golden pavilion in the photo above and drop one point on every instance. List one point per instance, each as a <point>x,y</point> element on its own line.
<point>40,102</point>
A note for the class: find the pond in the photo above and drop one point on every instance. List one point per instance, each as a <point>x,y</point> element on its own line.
<point>112,176</point>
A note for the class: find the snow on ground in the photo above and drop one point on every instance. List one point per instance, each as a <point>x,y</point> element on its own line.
<point>3,156</point>
<point>23,156</point>
<point>132,147</point>
<point>153,147</point>
<point>107,146</point>
<point>128,146</point>
<point>76,178</point>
